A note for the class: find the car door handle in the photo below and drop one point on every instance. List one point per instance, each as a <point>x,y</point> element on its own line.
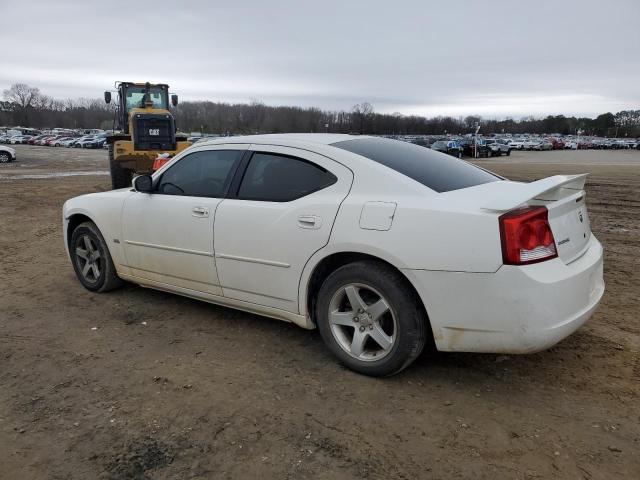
<point>200,212</point>
<point>309,221</point>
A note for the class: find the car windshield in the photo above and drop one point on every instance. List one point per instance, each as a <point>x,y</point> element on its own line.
<point>439,144</point>
<point>439,172</point>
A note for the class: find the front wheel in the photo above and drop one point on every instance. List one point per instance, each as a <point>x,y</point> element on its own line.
<point>91,259</point>
<point>370,319</point>
<point>5,157</point>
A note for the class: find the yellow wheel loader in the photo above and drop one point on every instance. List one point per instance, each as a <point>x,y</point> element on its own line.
<point>146,129</point>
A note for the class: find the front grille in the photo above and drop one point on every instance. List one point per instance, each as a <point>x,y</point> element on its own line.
<point>153,132</point>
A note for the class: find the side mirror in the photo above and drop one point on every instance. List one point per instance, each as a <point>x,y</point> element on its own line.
<point>107,97</point>
<point>143,183</point>
<point>174,100</point>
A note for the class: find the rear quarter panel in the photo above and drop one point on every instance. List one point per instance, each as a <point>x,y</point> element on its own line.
<point>429,230</point>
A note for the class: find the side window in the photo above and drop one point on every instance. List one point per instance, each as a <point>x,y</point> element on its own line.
<point>200,174</point>
<point>277,178</point>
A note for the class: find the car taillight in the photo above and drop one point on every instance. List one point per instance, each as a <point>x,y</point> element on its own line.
<point>526,236</point>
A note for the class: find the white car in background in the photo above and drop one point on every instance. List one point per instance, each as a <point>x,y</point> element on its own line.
<point>7,154</point>
<point>66,142</point>
<point>18,139</point>
<point>531,144</point>
<point>542,145</point>
<point>383,245</point>
<point>516,144</point>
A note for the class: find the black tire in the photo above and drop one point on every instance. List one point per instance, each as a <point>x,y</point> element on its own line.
<point>120,177</point>
<point>106,279</point>
<point>409,321</point>
<point>508,152</point>
<point>5,157</point>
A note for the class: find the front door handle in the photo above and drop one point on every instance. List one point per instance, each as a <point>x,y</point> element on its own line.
<point>309,221</point>
<point>200,212</point>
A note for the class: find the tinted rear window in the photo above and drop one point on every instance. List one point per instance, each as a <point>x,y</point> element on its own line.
<point>435,170</point>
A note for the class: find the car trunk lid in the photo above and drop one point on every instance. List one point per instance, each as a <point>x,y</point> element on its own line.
<point>564,198</point>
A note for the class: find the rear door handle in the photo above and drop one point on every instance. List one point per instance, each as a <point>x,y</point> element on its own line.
<point>200,212</point>
<point>309,221</point>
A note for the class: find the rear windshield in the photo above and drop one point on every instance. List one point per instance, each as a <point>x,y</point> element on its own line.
<point>435,170</point>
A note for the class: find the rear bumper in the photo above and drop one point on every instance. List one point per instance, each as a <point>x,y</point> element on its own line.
<point>514,310</point>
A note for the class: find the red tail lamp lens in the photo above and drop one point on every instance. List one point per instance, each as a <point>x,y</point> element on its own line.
<point>526,236</point>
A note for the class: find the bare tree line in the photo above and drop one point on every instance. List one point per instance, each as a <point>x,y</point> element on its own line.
<point>27,106</point>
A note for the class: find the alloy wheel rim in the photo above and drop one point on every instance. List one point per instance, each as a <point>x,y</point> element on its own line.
<point>88,258</point>
<point>362,322</point>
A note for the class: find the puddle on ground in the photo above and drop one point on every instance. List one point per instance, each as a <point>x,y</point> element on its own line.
<point>52,175</point>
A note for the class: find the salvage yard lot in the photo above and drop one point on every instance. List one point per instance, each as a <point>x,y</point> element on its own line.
<point>138,383</point>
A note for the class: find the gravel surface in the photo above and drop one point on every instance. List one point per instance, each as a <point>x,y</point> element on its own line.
<point>139,384</point>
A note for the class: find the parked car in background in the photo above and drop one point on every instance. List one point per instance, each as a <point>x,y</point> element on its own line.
<point>557,144</point>
<point>469,146</point>
<point>19,139</point>
<point>72,142</point>
<point>33,140</point>
<point>7,154</point>
<point>67,141</point>
<point>497,147</point>
<point>43,141</point>
<point>450,147</point>
<point>97,142</point>
<point>543,145</point>
<point>58,141</point>
<point>517,144</point>
<point>52,141</point>
<point>82,140</point>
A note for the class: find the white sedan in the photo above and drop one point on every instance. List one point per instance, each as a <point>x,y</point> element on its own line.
<point>382,245</point>
<point>7,154</point>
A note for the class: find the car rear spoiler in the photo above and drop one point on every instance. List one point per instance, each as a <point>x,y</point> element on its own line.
<point>513,194</point>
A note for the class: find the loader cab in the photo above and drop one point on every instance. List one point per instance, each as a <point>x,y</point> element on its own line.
<point>143,114</point>
<point>132,95</point>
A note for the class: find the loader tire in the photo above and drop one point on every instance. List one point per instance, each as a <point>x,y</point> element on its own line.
<point>120,177</point>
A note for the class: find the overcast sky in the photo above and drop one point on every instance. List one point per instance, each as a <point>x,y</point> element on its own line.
<point>494,58</point>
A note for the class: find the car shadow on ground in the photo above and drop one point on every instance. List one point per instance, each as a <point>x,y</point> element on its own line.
<point>190,317</point>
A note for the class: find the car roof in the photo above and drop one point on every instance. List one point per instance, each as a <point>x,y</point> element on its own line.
<point>284,139</point>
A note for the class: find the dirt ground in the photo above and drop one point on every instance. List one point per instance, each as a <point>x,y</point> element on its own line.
<point>141,384</point>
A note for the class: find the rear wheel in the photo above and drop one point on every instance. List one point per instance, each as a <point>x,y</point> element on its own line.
<point>508,152</point>
<point>370,319</point>
<point>5,157</point>
<point>120,177</point>
<point>91,259</point>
